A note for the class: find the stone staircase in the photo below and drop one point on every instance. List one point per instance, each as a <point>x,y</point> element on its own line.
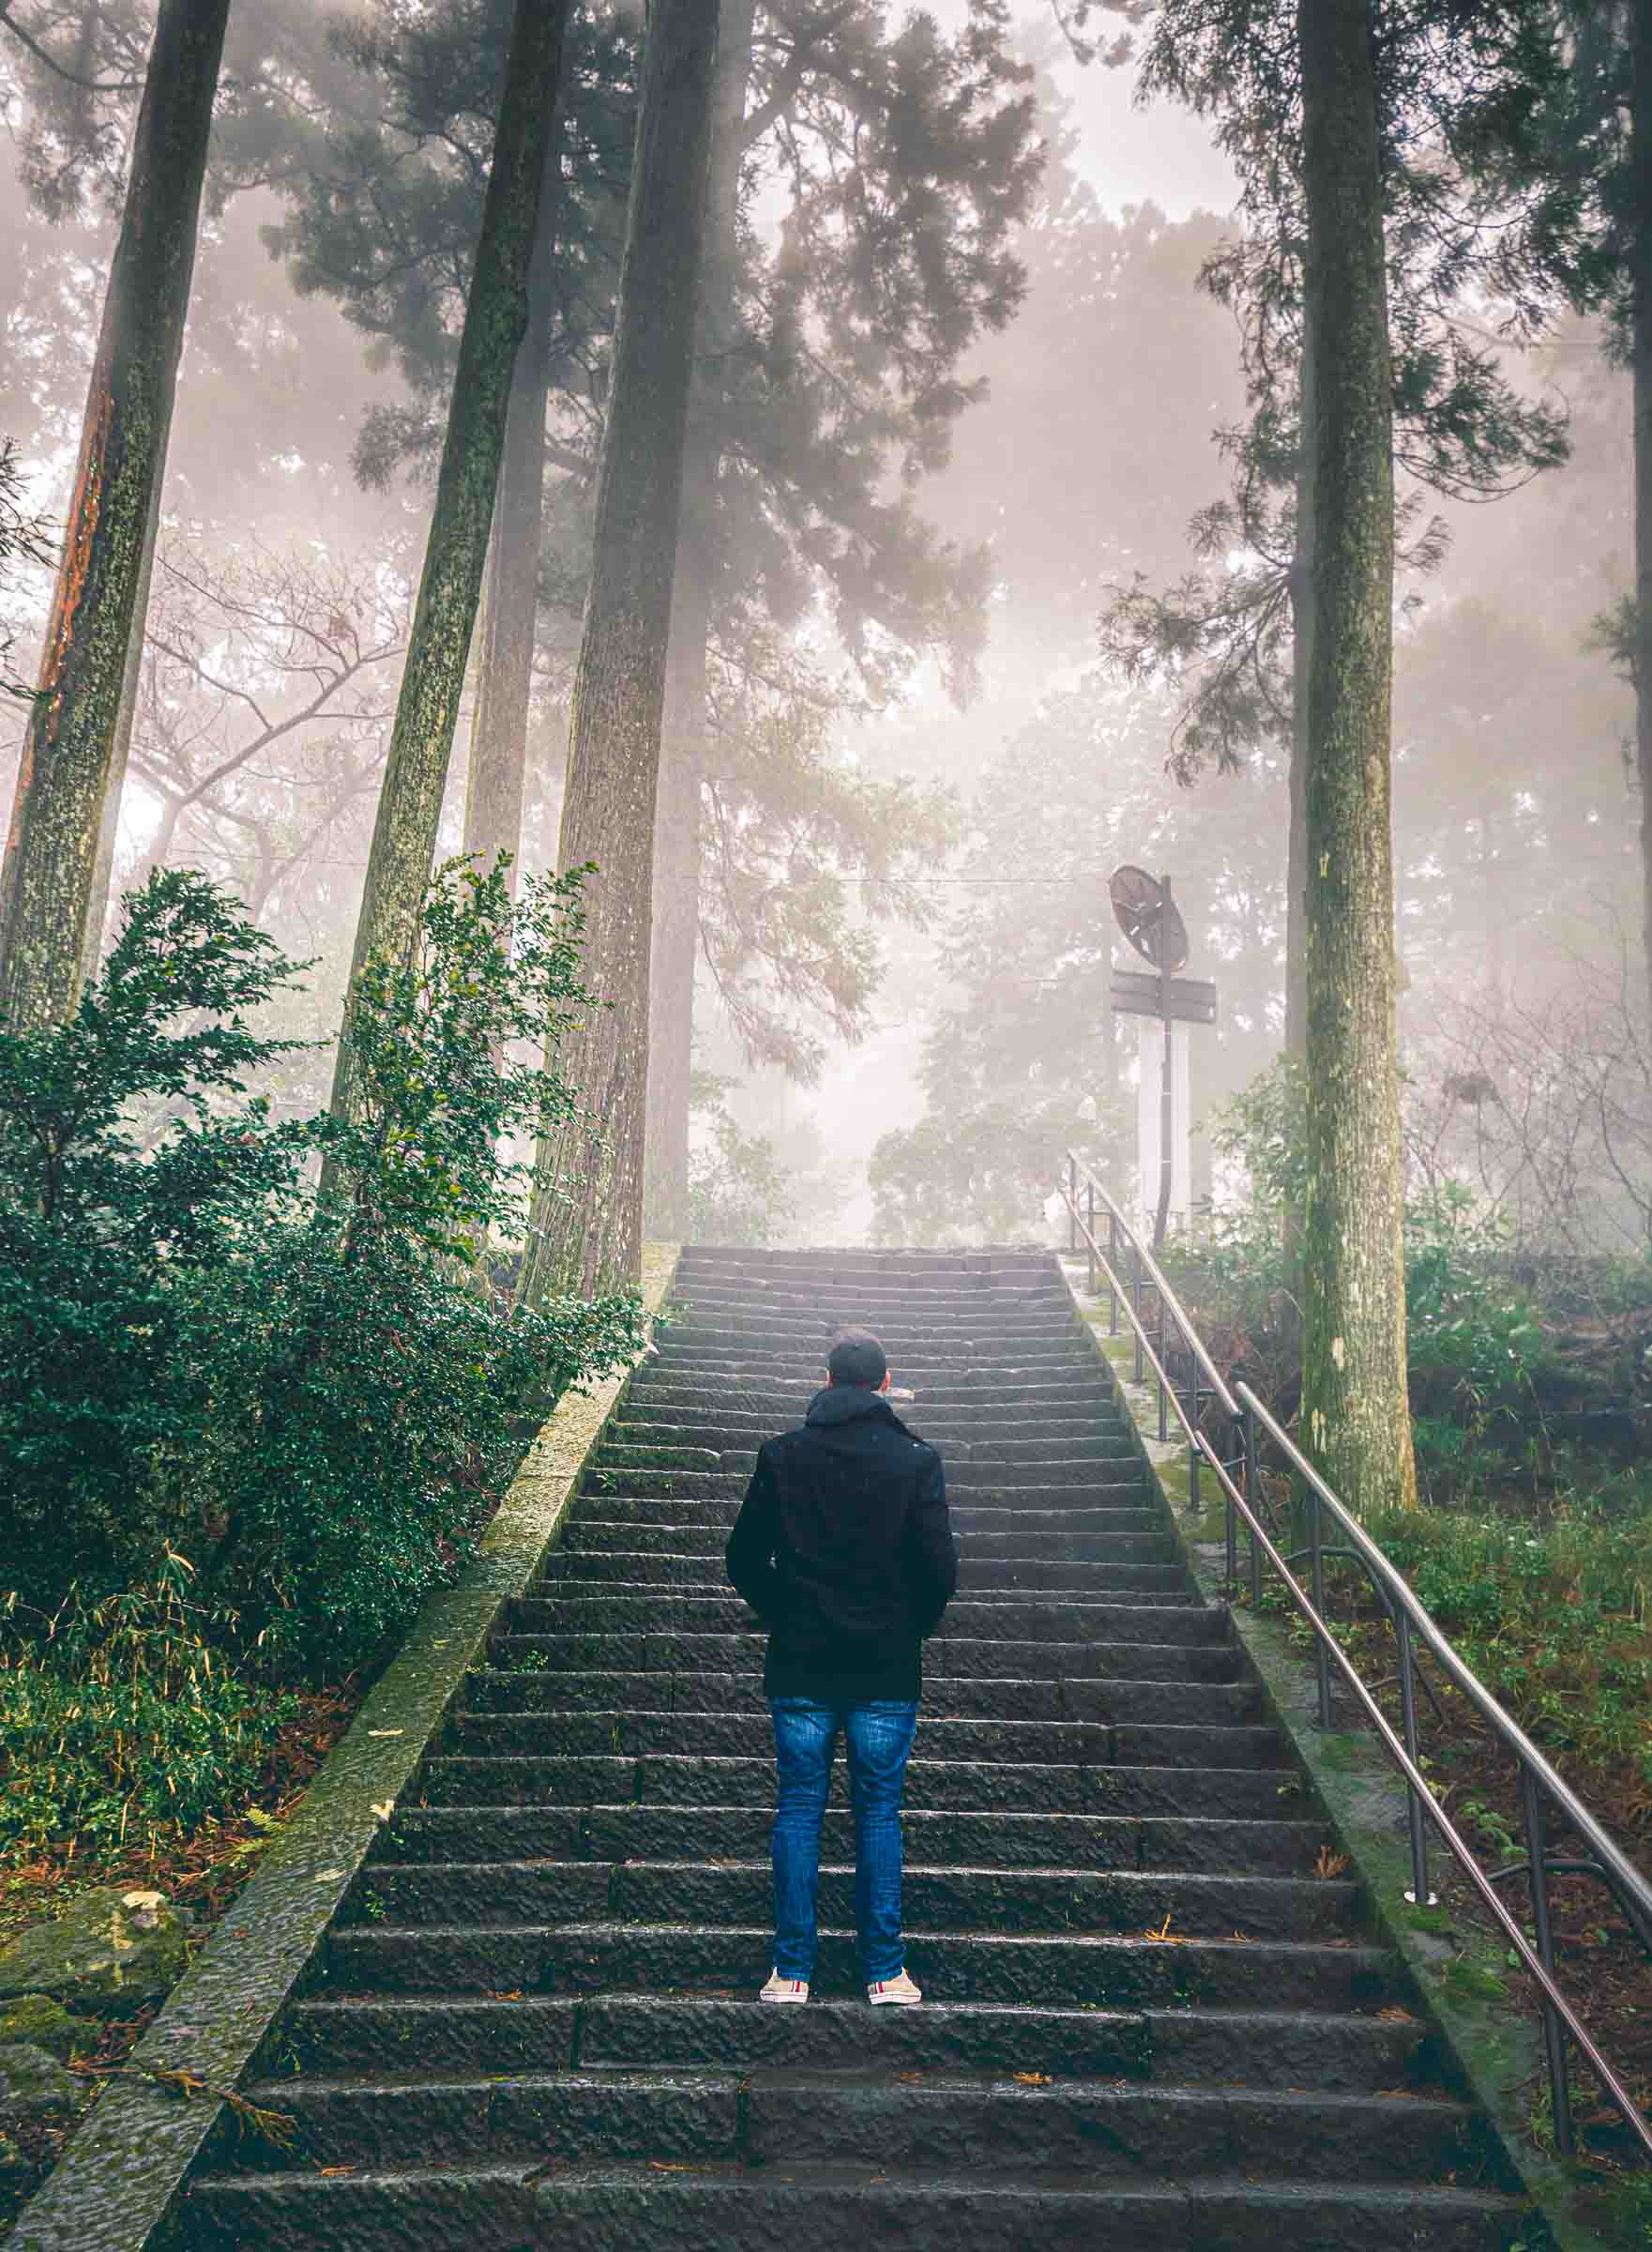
<point>1148,2022</point>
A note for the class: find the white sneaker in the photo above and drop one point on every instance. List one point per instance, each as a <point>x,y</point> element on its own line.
<point>898,1988</point>
<point>784,1989</point>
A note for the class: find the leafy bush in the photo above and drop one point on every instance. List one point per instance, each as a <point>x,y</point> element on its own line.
<point>120,1725</point>
<point>738,1191</point>
<point>1555,1619</point>
<point>312,1395</point>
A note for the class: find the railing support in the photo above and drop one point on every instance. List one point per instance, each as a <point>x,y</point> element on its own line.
<point>1112,1271</point>
<point>1316,1538</point>
<point>1090,1230</point>
<point>1254,1495</point>
<point>1554,2036</point>
<point>1072,1204</point>
<point>1420,1894</point>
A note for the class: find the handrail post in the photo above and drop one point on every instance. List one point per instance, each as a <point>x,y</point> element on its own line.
<point>1253,1497</point>
<point>1136,1303</point>
<point>1194,1442</point>
<point>1163,1368</point>
<point>1072,1203</point>
<point>1316,1541</point>
<point>1112,1271</point>
<point>1554,2037</point>
<point>1420,1894</point>
<point>1090,1230</point>
<point>1232,1514</point>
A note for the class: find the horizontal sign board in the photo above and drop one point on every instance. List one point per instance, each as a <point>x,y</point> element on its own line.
<point>1136,993</point>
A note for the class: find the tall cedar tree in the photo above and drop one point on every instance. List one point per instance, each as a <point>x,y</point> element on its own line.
<point>676,835</point>
<point>496,318</point>
<point>1355,1416</point>
<point>1456,81</point>
<point>497,773</point>
<point>586,1227</point>
<point>47,879</point>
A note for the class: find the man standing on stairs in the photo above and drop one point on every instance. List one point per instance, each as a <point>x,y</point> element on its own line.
<point>844,1550</point>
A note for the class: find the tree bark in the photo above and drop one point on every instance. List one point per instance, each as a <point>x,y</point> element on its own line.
<point>499,735</point>
<point>1355,1422</point>
<point>120,757</point>
<point>433,679</point>
<point>1641,357</point>
<point>46,882</point>
<point>684,745</point>
<point>1301,638</point>
<point>586,1224</point>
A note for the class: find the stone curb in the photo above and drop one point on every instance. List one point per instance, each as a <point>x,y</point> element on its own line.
<point>1496,2051</point>
<point>116,2187</point>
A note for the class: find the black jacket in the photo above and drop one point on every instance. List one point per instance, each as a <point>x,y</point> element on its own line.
<point>844,1550</point>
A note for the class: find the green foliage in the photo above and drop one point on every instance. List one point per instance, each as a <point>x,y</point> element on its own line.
<point>738,1190</point>
<point>313,1401</point>
<point>121,1724</point>
<point>21,539</point>
<point>1555,1619</point>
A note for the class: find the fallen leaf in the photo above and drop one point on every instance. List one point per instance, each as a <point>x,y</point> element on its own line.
<point>1032,2079</point>
<point>1395,2015</point>
<point>331,2173</point>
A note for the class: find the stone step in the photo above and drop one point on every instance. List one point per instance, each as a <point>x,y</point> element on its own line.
<point>1259,2048</point>
<point>519,2206</point>
<point>590,1535</point>
<point>658,1391</point>
<point>653,1497</point>
<point>1072,1463</point>
<point>948,1899</point>
<point>1251,1789</point>
<point>720,1427</point>
<point>572,1569</point>
<point>978,1696</point>
<point>1095,1657</point>
<point>1192,1843</point>
<point>502,1716</point>
<point>747,1730</point>
<point>1003,1616</point>
<point>1030,1970</point>
<point>1070,2125</point>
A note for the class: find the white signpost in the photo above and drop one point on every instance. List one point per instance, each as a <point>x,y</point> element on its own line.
<point>1167,1005</point>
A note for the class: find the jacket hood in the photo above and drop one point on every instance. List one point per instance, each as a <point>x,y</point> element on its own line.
<point>847,1404</point>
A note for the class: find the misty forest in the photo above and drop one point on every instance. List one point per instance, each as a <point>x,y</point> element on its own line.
<point>672,674</point>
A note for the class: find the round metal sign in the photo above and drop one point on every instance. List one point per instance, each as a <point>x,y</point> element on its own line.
<point>1151,923</point>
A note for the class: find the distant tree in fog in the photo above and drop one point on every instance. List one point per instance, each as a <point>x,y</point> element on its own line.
<point>47,879</point>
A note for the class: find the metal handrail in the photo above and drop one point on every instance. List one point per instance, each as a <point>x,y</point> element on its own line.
<point>1539,1782</point>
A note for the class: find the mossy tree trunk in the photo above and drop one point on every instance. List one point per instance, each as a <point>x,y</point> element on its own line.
<point>587,1219</point>
<point>1301,638</point>
<point>685,738</point>
<point>46,879</point>
<point>499,735</point>
<point>1354,1423</point>
<point>1641,360</point>
<point>456,551</point>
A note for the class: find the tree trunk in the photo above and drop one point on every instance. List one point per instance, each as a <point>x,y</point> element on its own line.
<point>499,737</point>
<point>1355,1424</point>
<point>57,816</point>
<point>433,680</point>
<point>683,752</point>
<point>1641,352</point>
<point>1301,641</point>
<point>120,757</point>
<point>586,1228</point>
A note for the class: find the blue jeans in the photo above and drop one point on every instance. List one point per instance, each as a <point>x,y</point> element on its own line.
<point>879,1740</point>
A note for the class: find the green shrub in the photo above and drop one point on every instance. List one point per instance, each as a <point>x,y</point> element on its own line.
<point>121,1724</point>
<point>310,1396</point>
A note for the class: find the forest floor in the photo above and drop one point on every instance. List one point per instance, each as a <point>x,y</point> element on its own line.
<point>200,1870</point>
